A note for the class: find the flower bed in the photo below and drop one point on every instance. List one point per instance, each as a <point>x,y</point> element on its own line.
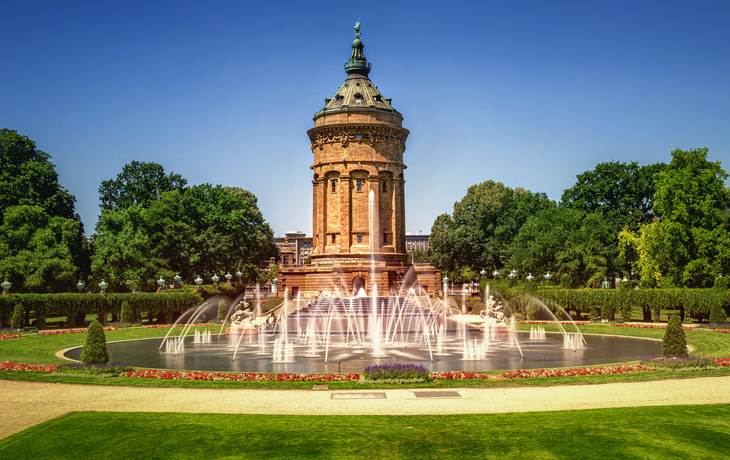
<point>247,377</point>
<point>575,371</point>
<point>9,366</point>
<point>723,361</point>
<point>649,326</point>
<point>458,375</point>
<point>9,336</point>
<point>577,323</point>
<point>74,331</point>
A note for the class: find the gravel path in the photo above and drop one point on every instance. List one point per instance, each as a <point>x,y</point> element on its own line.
<point>25,404</point>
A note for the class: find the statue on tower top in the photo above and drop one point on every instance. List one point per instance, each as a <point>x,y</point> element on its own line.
<point>357,29</point>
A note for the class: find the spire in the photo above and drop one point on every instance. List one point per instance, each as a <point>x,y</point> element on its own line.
<point>357,63</point>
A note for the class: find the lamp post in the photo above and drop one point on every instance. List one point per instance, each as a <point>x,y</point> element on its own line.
<point>228,278</point>
<point>548,277</point>
<point>495,273</point>
<point>513,274</point>
<point>80,286</point>
<point>178,281</point>
<point>161,284</point>
<point>6,286</point>
<point>199,282</point>
<point>275,286</point>
<point>240,276</point>
<point>103,285</point>
<point>446,286</point>
<point>215,279</point>
<point>530,277</point>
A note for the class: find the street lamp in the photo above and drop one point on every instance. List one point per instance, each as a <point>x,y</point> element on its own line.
<point>6,286</point>
<point>228,278</point>
<point>161,283</point>
<point>199,282</point>
<point>495,273</point>
<point>240,276</point>
<point>178,280</point>
<point>548,277</point>
<point>80,286</point>
<point>513,274</point>
<point>529,277</point>
<point>103,285</point>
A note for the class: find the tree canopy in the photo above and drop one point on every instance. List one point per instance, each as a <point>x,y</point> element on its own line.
<point>28,178</point>
<point>138,183</point>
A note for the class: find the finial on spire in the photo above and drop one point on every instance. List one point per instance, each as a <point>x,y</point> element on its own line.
<point>357,29</point>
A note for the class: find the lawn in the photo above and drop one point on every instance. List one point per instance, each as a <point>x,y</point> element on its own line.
<point>646,432</point>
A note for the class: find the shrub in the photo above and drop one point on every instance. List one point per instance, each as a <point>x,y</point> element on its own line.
<point>126,315</point>
<point>222,310</point>
<point>647,283</point>
<point>95,346</point>
<point>595,313</point>
<point>717,314</point>
<point>566,281</point>
<point>396,371</point>
<point>677,364</point>
<point>115,368</point>
<point>721,283</point>
<point>607,310</point>
<point>16,321</point>
<point>674,342</point>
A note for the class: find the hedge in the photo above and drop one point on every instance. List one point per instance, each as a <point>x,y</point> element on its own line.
<point>696,303</point>
<point>70,304</point>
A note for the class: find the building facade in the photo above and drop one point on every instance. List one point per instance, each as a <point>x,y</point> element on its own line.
<point>358,193</point>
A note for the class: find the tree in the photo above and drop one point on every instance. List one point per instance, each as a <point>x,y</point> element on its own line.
<point>564,241</point>
<point>37,250</point>
<point>674,342</point>
<point>690,243</point>
<point>28,178</point>
<point>94,351</point>
<point>479,233</point>
<point>139,183</point>
<point>622,193</point>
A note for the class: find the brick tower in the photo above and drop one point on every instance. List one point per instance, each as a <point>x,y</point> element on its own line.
<point>358,198</point>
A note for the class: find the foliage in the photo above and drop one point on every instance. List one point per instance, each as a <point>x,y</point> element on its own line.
<point>396,371</point>
<point>691,241</point>
<point>28,178</point>
<point>95,346</point>
<point>201,229</point>
<point>126,313</point>
<point>480,231</point>
<point>721,283</point>
<point>222,310</point>
<point>114,368</point>
<point>679,362</point>
<point>37,250</point>
<point>139,183</point>
<point>607,310</point>
<point>566,281</point>
<point>18,318</point>
<point>674,342</point>
<point>717,314</point>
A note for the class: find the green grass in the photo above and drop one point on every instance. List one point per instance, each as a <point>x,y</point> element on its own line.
<point>646,433</point>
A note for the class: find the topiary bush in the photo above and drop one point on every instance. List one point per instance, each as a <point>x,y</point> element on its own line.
<point>16,321</point>
<point>222,310</point>
<point>674,342</point>
<point>126,316</point>
<point>95,346</point>
<point>566,281</point>
<point>721,283</point>
<point>607,310</point>
<point>717,314</point>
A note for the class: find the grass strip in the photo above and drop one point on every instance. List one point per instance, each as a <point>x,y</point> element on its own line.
<point>646,432</point>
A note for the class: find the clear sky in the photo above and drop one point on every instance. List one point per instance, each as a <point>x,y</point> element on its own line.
<point>529,93</point>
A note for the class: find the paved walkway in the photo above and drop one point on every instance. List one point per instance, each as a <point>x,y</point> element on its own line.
<point>25,404</point>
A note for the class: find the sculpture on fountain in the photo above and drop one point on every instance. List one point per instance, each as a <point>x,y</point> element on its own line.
<point>242,319</point>
<point>493,313</point>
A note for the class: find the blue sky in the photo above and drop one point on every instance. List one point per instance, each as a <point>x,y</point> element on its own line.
<point>529,93</point>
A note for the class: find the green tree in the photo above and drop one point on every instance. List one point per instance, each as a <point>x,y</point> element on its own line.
<point>564,241</point>
<point>691,243</point>
<point>482,227</point>
<point>94,351</point>
<point>28,178</point>
<point>139,183</point>
<point>674,342</point>
<point>37,250</point>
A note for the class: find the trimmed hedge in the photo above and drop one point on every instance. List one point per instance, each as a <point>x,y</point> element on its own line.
<point>71,304</point>
<point>696,303</point>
